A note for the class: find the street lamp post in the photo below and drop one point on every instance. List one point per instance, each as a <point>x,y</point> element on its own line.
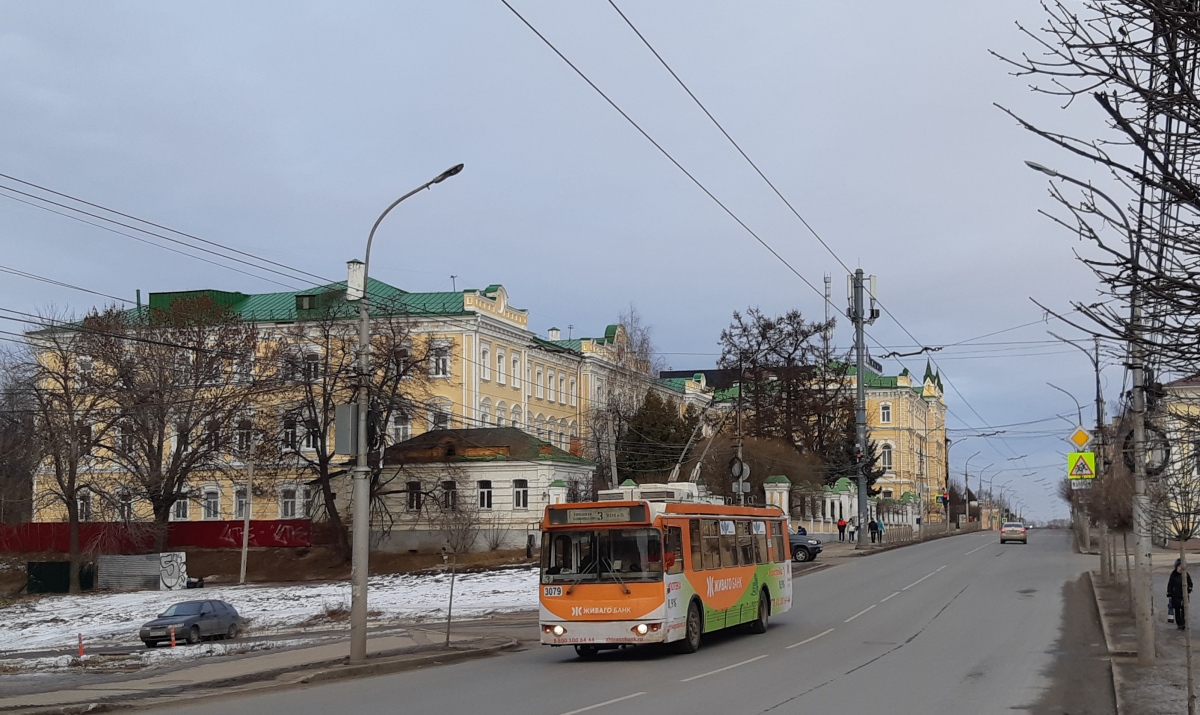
<point>356,289</point>
<point>967,487</point>
<point>1141,500</point>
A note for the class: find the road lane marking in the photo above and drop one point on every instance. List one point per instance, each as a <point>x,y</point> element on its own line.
<point>977,549</point>
<point>718,670</point>
<point>809,640</point>
<point>600,705</point>
<point>939,568</point>
<point>856,615</point>
<point>891,597</point>
<point>914,583</point>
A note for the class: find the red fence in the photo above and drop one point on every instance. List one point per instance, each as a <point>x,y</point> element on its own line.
<point>112,538</point>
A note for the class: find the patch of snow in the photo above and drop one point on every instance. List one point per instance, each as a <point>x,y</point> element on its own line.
<point>114,618</point>
<point>145,658</point>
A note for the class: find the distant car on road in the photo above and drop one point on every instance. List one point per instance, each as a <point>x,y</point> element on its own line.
<point>193,621</point>
<point>804,548</point>
<point>1013,531</point>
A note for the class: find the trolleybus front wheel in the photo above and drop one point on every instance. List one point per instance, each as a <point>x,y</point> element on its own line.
<point>759,625</point>
<point>691,638</point>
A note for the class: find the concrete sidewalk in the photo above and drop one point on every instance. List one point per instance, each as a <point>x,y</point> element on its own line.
<point>408,649</point>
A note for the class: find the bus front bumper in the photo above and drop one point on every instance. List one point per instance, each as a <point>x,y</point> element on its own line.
<point>602,632</point>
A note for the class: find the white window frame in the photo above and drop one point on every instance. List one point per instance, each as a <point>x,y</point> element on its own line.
<point>441,408</point>
<point>501,367</point>
<point>539,389</point>
<point>312,435</point>
<point>206,514</point>
<point>550,386</point>
<point>401,427</point>
<point>562,389</point>
<point>501,415</point>
<point>84,504</point>
<point>284,502</point>
<point>885,413</point>
<point>485,413</point>
<point>520,494</point>
<point>485,362</point>
<point>514,416</point>
<point>413,500</point>
<point>181,510</point>
<point>439,362</point>
<point>516,372</point>
<point>240,503</point>
<point>574,392</point>
<point>486,494</point>
<point>887,455</point>
<point>289,437</point>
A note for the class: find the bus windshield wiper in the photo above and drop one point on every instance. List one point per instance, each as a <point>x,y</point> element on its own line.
<point>581,575</point>
<point>623,586</point>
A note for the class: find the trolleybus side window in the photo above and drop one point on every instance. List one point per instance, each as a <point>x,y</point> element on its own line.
<point>711,536</point>
<point>673,553</point>
<point>728,544</point>
<point>780,553</point>
<point>694,536</point>
<point>744,544</point>
<point>760,541</point>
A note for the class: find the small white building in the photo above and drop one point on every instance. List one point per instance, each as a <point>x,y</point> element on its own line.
<point>473,489</point>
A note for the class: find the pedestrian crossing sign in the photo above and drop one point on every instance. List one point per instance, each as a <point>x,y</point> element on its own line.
<point>1081,465</point>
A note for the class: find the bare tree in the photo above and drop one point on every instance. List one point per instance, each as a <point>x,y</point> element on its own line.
<point>316,370</point>
<point>72,414</point>
<point>19,447</point>
<point>182,383</point>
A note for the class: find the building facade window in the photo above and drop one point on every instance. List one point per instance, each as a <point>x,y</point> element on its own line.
<point>550,385</point>
<point>516,416</point>
<point>562,389</point>
<point>287,503</point>
<point>516,372</point>
<point>243,436</point>
<point>413,490</point>
<point>401,427</point>
<point>312,367</point>
<point>885,414</point>
<point>485,413</point>
<point>290,438</point>
<point>125,440</point>
<point>485,494</point>
<point>485,364</point>
<point>885,457</point>
<point>212,504</point>
<point>520,494</point>
<point>501,367</point>
<point>239,503</point>
<point>450,495</point>
<point>124,506</point>
<point>179,510</point>
<point>402,359</point>
<point>501,415</point>
<point>539,387</point>
<point>312,434</point>
<point>574,393</point>
<point>84,503</point>
<point>439,416</point>
<point>439,362</point>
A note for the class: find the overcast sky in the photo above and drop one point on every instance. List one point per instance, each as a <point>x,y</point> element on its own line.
<point>283,129</point>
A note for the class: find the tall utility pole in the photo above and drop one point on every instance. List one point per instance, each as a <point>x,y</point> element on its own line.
<point>358,289</point>
<point>1143,544</point>
<point>858,313</point>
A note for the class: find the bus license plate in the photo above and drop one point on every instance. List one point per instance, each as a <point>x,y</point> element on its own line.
<point>552,590</point>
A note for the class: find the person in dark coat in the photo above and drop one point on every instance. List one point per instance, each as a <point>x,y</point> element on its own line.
<point>873,529</point>
<point>1175,593</point>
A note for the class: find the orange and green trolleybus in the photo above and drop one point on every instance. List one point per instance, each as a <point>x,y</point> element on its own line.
<point>619,573</point>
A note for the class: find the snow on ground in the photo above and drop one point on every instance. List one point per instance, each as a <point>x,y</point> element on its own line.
<point>143,658</point>
<point>55,622</point>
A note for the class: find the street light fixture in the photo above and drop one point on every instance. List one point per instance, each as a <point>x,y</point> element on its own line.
<point>357,289</point>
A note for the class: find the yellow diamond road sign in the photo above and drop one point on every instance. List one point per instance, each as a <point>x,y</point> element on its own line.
<point>1080,437</point>
<point>1081,465</point>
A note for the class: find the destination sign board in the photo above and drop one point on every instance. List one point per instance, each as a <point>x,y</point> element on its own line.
<point>597,515</point>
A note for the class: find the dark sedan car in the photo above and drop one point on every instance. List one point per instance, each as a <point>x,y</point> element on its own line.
<point>193,621</point>
<point>804,548</point>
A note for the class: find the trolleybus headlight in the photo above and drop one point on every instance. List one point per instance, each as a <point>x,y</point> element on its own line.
<point>558,630</point>
<point>641,629</point>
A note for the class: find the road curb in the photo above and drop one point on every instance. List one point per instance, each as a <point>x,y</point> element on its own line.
<point>267,681</point>
<point>1116,657</point>
<point>400,663</point>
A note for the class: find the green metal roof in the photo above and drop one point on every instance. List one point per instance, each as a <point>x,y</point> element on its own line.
<point>675,384</point>
<point>777,479</point>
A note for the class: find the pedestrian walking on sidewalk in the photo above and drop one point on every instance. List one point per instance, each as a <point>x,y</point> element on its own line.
<point>1175,593</point>
<point>851,529</point>
<point>881,531</point>
<point>841,529</point>
<point>873,529</point>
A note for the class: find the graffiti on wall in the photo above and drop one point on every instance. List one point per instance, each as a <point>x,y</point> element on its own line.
<point>172,571</point>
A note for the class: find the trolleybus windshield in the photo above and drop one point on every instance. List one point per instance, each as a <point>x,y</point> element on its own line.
<point>602,555</point>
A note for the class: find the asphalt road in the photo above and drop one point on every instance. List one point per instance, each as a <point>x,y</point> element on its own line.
<point>958,625</point>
